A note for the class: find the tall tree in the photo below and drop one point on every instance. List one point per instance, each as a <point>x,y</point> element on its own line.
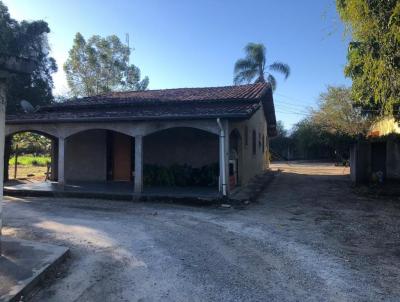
<point>29,40</point>
<point>336,113</point>
<point>254,67</point>
<point>374,53</point>
<point>101,65</point>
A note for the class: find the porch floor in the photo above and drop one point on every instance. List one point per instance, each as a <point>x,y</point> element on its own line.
<point>112,190</point>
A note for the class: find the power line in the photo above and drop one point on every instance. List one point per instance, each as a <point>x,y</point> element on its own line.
<point>286,107</point>
<point>290,98</point>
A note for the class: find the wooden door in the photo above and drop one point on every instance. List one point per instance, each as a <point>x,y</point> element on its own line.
<point>122,157</point>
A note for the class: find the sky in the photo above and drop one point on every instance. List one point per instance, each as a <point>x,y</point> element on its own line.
<point>195,43</point>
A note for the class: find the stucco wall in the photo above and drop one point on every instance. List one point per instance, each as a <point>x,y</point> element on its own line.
<point>181,145</point>
<point>251,164</point>
<point>85,156</point>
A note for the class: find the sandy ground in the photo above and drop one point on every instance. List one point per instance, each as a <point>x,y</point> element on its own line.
<point>36,173</point>
<point>309,238</point>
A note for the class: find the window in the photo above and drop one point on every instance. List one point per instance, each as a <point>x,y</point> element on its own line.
<point>259,140</point>
<point>246,135</point>
<point>254,142</point>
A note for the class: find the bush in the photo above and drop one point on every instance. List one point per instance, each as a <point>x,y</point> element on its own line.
<point>180,175</point>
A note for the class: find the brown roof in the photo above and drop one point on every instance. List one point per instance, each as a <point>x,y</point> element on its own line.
<point>182,103</point>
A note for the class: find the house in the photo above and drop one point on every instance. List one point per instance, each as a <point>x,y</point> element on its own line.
<point>217,136</point>
<point>377,158</point>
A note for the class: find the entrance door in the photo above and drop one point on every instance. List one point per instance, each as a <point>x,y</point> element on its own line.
<point>122,157</point>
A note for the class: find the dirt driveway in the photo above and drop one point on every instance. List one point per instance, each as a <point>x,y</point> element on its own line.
<point>309,238</point>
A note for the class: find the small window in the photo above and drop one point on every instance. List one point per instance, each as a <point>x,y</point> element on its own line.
<point>259,140</point>
<point>254,142</point>
<point>246,135</point>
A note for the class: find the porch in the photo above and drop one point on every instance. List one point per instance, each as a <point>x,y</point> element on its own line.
<point>108,190</point>
<point>132,160</point>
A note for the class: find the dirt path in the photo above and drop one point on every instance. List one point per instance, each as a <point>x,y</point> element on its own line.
<point>309,238</point>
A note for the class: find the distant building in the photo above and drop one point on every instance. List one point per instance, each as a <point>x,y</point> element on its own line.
<point>377,158</point>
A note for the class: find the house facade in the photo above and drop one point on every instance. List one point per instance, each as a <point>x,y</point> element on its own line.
<point>214,136</point>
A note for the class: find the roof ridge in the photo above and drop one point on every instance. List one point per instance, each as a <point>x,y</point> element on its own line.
<point>266,84</point>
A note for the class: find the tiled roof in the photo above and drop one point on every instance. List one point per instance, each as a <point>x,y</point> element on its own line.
<point>141,112</point>
<point>197,103</point>
<point>242,92</point>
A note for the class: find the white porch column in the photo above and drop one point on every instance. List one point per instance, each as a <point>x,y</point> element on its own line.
<point>224,157</point>
<point>61,160</point>
<point>138,164</point>
<point>2,137</point>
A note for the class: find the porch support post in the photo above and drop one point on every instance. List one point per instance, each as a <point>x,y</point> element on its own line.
<point>54,159</point>
<point>223,157</point>
<point>138,164</point>
<point>2,137</point>
<point>61,160</point>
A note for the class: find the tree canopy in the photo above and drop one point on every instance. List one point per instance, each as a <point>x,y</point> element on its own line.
<point>336,113</point>
<point>374,54</point>
<point>28,40</point>
<point>254,67</point>
<point>101,65</point>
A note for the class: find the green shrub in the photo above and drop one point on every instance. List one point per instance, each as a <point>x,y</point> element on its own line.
<point>180,175</point>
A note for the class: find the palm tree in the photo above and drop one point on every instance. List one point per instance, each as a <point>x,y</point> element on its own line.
<point>253,67</point>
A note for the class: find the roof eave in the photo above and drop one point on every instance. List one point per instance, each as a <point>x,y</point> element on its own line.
<point>129,119</point>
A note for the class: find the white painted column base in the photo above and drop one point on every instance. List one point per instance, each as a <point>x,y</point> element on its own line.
<point>138,164</point>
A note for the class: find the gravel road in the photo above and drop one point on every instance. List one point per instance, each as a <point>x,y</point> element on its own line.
<point>308,238</point>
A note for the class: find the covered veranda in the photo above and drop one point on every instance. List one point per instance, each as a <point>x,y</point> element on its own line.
<point>109,159</point>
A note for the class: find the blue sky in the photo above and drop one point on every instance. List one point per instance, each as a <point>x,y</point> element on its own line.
<point>195,43</point>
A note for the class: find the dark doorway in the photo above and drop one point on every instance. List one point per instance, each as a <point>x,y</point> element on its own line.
<point>378,158</point>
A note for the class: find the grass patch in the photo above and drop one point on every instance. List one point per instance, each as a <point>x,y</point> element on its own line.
<point>31,160</point>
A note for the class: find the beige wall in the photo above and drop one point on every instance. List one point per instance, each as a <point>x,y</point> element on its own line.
<point>251,165</point>
<point>385,126</point>
<point>181,145</point>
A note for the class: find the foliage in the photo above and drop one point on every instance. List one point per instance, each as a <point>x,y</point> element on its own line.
<point>31,160</point>
<point>101,65</point>
<point>280,129</point>
<point>31,143</point>
<point>180,175</point>
<point>254,67</point>
<point>28,40</point>
<point>336,113</point>
<point>313,142</point>
<point>281,144</point>
<point>374,54</point>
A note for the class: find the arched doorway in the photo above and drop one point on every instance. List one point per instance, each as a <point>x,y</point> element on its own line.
<point>235,158</point>
<point>99,155</point>
<point>30,156</point>
<point>181,157</point>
